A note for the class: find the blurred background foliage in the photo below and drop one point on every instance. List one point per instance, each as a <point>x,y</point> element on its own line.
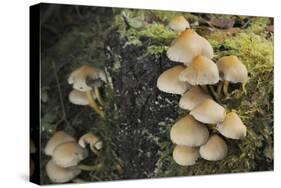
<point>76,35</point>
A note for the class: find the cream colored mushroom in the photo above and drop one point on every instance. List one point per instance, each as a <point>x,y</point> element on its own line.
<point>202,71</point>
<point>185,156</point>
<point>59,174</point>
<point>193,98</point>
<point>231,70</point>
<point>179,23</point>
<point>78,79</point>
<point>58,138</point>
<point>78,98</point>
<point>215,149</point>
<point>91,139</point>
<point>189,132</point>
<point>168,81</point>
<point>189,45</point>
<point>69,154</point>
<point>232,127</point>
<point>209,112</point>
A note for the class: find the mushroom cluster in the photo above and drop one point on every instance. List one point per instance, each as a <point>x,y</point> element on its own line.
<point>199,134</point>
<point>66,156</point>
<point>86,81</point>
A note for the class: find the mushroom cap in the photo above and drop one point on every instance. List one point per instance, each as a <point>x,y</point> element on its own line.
<point>189,132</point>
<point>59,174</point>
<point>179,23</point>
<point>202,71</point>
<point>193,98</point>
<point>78,98</point>
<point>79,77</point>
<point>231,69</point>
<point>69,154</point>
<point>209,112</point>
<point>189,45</point>
<point>168,81</point>
<point>215,149</point>
<point>185,156</point>
<point>58,138</point>
<point>232,127</point>
<point>91,139</point>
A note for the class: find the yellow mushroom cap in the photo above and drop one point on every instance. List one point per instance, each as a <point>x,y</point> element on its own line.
<point>215,149</point>
<point>69,154</point>
<point>59,174</point>
<point>185,156</point>
<point>91,139</point>
<point>58,138</point>
<point>79,77</point>
<point>209,112</point>
<point>231,69</point>
<point>179,23</point>
<point>193,98</point>
<point>168,81</point>
<point>78,98</point>
<point>189,45</point>
<point>202,71</point>
<point>189,132</point>
<point>232,127</point>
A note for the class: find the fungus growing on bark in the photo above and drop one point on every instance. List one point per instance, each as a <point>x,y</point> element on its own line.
<point>179,23</point>
<point>193,98</point>
<point>85,79</point>
<point>91,139</point>
<point>209,112</point>
<point>215,149</point>
<point>185,156</point>
<point>202,71</point>
<point>58,138</point>
<point>231,70</point>
<point>189,45</point>
<point>189,132</point>
<point>232,127</point>
<point>168,81</point>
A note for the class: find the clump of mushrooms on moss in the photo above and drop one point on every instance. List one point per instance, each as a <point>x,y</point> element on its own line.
<point>200,133</point>
<point>66,156</point>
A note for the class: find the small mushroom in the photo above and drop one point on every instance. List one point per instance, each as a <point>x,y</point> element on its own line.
<point>91,139</point>
<point>168,81</point>
<point>179,24</point>
<point>209,112</point>
<point>232,127</point>
<point>79,79</point>
<point>78,98</point>
<point>59,174</point>
<point>185,156</point>
<point>231,70</point>
<point>189,45</point>
<point>193,98</point>
<point>202,71</point>
<point>189,132</point>
<point>69,154</point>
<point>215,149</point>
<point>58,138</point>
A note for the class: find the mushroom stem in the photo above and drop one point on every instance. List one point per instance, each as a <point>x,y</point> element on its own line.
<point>225,88</point>
<point>93,104</point>
<point>214,93</point>
<point>204,88</point>
<point>244,88</point>
<point>219,88</point>
<point>97,92</point>
<point>88,167</point>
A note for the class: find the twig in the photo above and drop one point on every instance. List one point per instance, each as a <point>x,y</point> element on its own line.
<point>60,94</point>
